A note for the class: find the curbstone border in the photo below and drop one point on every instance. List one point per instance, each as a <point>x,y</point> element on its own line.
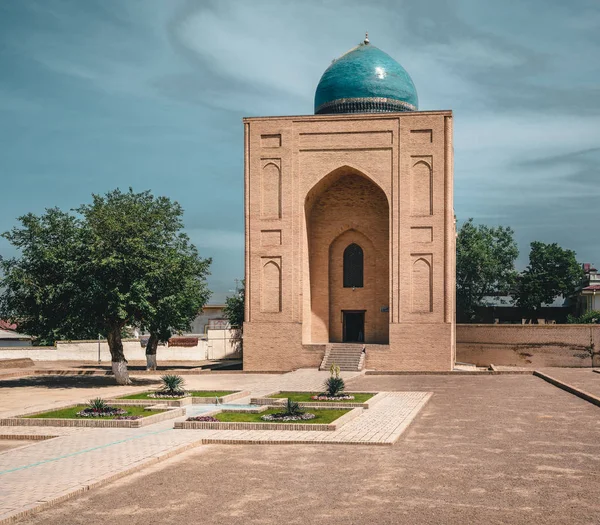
<point>586,396</point>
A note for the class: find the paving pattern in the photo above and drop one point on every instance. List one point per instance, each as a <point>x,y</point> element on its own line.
<point>79,458</point>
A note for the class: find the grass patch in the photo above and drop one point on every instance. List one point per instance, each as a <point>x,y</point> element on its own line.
<point>322,417</point>
<point>211,393</point>
<point>146,395</point>
<point>193,393</point>
<point>71,413</point>
<point>305,397</point>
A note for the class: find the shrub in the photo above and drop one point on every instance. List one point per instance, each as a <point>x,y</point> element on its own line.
<point>592,317</point>
<point>98,408</point>
<point>98,404</point>
<point>172,384</point>
<point>334,384</point>
<point>292,408</point>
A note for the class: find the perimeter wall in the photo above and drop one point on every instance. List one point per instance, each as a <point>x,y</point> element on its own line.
<point>531,346</point>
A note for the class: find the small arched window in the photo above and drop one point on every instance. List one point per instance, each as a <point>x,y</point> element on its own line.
<point>353,266</point>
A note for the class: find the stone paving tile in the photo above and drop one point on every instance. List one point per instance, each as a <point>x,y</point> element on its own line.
<point>80,457</point>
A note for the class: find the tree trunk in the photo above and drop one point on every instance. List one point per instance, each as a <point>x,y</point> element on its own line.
<point>151,347</point>
<point>119,363</point>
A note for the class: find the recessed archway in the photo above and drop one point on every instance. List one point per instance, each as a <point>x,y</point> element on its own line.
<point>345,208</point>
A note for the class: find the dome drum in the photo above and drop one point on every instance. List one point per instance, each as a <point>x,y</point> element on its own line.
<point>364,105</point>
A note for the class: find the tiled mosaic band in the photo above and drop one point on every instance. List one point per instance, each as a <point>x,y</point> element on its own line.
<point>364,105</point>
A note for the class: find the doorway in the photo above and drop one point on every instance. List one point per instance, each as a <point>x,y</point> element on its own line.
<point>354,326</point>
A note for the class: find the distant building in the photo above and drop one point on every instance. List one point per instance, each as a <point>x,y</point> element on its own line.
<point>212,317</point>
<point>588,296</point>
<point>10,337</point>
<point>502,309</point>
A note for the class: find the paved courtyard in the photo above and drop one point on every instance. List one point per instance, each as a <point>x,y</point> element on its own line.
<point>80,458</point>
<point>493,449</point>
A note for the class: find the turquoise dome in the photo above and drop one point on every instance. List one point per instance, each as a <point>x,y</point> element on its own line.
<point>365,80</point>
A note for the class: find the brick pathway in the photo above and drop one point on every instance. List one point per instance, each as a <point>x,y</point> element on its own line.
<point>80,458</point>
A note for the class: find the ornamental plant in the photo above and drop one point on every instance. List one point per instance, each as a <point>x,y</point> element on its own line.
<point>292,408</point>
<point>98,408</point>
<point>334,385</point>
<point>172,384</point>
<point>98,404</point>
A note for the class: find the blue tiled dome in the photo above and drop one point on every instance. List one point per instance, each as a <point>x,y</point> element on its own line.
<point>365,80</point>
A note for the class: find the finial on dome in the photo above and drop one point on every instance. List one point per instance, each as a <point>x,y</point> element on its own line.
<point>367,37</point>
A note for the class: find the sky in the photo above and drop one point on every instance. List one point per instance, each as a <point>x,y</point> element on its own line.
<point>100,94</point>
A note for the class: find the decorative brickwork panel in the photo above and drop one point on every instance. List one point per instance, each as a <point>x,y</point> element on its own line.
<point>271,191</point>
<point>270,238</point>
<point>270,141</point>
<point>421,285</point>
<point>421,234</point>
<point>421,197</point>
<point>421,136</point>
<point>270,300</point>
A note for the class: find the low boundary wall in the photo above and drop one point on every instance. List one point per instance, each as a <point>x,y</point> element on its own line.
<point>530,346</point>
<point>219,345</point>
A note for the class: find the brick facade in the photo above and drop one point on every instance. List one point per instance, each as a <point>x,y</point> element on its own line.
<point>314,185</point>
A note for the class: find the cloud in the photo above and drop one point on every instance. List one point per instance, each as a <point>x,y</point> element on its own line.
<point>150,94</point>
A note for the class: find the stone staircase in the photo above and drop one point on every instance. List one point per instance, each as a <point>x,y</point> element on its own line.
<point>348,356</point>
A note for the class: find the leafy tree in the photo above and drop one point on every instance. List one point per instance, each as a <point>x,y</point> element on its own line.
<point>234,313</point>
<point>42,288</point>
<point>552,271</point>
<point>179,292</point>
<point>485,258</point>
<point>234,307</point>
<point>100,271</point>
<point>591,317</point>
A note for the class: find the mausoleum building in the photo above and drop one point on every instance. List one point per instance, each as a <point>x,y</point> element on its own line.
<point>349,224</point>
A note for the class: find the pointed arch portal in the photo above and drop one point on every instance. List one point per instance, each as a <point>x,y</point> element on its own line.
<point>347,221</point>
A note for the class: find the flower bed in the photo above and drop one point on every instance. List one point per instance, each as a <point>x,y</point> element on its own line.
<point>134,417</point>
<point>203,418</point>
<point>191,396</point>
<point>167,395</point>
<point>325,397</point>
<point>307,397</point>
<point>284,417</point>
<point>325,420</point>
<point>83,411</point>
<point>112,412</point>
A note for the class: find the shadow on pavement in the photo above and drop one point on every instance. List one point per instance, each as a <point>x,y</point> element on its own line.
<point>71,382</point>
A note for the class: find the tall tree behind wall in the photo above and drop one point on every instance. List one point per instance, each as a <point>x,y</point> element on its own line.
<point>485,258</point>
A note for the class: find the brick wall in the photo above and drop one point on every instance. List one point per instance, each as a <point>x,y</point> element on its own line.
<point>527,345</point>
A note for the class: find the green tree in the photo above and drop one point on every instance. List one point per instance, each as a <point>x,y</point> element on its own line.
<point>552,271</point>
<point>591,317</point>
<point>100,271</point>
<point>179,292</point>
<point>42,288</point>
<point>485,258</point>
<point>234,313</point>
